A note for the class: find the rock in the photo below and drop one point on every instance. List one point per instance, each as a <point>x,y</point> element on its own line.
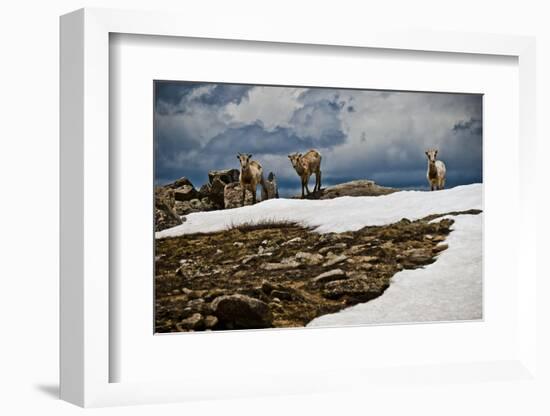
<point>207,204</point>
<point>213,294</point>
<point>183,208</point>
<point>356,290</point>
<point>181,182</point>
<point>271,189</point>
<point>176,292</point>
<point>242,311</point>
<point>196,204</point>
<point>225,175</point>
<point>294,240</point>
<point>232,196</point>
<point>331,275</point>
<point>210,322</point>
<point>247,259</point>
<point>283,265</point>
<point>238,244</point>
<point>355,188</point>
<point>165,214</point>
<point>335,260</point>
<point>417,256</point>
<point>309,258</point>
<point>267,287</point>
<point>339,246</point>
<point>440,247</point>
<point>204,191</point>
<point>194,322</point>
<point>185,193</point>
<point>281,294</point>
<point>217,192</point>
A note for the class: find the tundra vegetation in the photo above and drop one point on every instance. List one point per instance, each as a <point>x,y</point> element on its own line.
<point>284,275</point>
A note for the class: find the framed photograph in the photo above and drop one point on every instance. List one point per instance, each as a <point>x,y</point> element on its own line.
<point>270,209</point>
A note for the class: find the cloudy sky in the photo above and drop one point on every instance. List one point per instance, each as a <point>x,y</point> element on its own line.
<point>361,134</point>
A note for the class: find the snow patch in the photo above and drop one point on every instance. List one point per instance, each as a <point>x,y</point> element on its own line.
<point>449,289</point>
<point>336,215</point>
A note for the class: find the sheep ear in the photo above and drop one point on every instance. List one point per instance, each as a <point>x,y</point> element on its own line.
<point>249,155</point>
<point>426,152</point>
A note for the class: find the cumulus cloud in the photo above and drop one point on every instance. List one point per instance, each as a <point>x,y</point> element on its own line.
<point>379,135</point>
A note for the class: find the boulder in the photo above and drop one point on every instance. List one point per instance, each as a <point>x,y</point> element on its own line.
<point>361,187</point>
<point>194,322</point>
<point>332,260</point>
<point>217,192</point>
<point>225,175</point>
<point>240,311</point>
<point>232,196</point>
<point>270,189</point>
<point>285,264</point>
<point>355,290</point>
<point>185,193</point>
<point>165,213</point>
<point>309,258</point>
<point>331,275</point>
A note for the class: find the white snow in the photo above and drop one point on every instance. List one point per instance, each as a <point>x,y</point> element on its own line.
<point>336,215</point>
<point>447,290</point>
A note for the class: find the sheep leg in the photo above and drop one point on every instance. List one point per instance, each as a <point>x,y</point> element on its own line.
<point>317,181</point>
<point>244,195</point>
<point>306,182</point>
<point>253,194</point>
<point>302,180</point>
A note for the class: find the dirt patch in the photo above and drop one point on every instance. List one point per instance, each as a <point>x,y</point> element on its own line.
<point>283,275</point>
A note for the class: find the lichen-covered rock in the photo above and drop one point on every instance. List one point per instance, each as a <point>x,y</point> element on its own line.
<point>240,311</point>
<point>185,193</point>
<point>232,196</point>
<point>225,175</point>
<point>354,290</point>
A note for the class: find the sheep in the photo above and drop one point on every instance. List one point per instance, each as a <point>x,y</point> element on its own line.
<point>250,176</point>
<point>305,166</point>
<point>436,170</point>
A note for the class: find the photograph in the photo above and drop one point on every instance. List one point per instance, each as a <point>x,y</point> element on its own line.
<point>280,206</point>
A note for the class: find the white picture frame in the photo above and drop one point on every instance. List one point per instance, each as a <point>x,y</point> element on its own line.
<point>85,354</point>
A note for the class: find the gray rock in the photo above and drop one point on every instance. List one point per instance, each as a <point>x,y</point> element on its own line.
<point>309,258</point>
<point>283,265</point>
<point>225,175</point>
<point>179,183</point>
<point>210,322</point>
<point>281,294</point>
<point>194,322</point>
<point>270,189</point>
<point>331,275</point>
<point>232,196</point>
<point>339,246</point>
<point>335,260</point>
<point>440,247</point>
<point>241,311</point>
<point>294,240</point>
<point>185,193</point>
<point>356,290</point>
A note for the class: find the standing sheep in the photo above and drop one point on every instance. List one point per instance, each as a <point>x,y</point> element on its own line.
<point>436,170</point>
<point>305,166</point>
<point>250,176</point>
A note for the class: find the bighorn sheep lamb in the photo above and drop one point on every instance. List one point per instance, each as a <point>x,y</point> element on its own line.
<point>251,175</point>
<point>305,166</point>
<point>436,170</point>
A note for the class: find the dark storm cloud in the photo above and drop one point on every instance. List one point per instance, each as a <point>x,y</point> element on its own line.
<point>176,97</point>
<point>379,135</point>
